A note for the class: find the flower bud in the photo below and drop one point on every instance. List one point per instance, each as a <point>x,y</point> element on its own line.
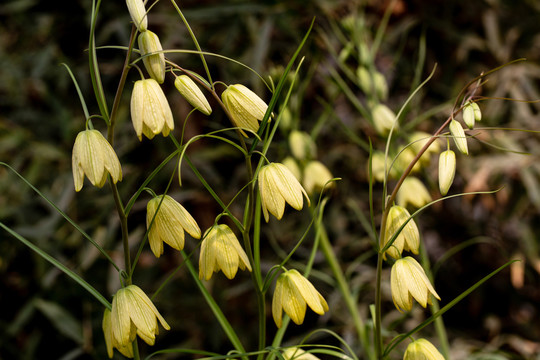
<point>468,116</point>
<point>150,110</point>
<point>138,14</point>
<point>459,136</point>
<point>155,63</point>
<point>192,93</point>
<point>447,170</point>
<point>418,139</point>
<point>302,145</point>
<point>244,106</point>
<point>477,111</point>
<point>414,192</point>
<point>384,119</point>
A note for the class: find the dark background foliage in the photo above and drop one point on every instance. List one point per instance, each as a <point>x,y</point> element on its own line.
<point>45,315</point>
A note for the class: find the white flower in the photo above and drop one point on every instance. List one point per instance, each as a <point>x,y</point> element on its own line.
<point>154,61</point>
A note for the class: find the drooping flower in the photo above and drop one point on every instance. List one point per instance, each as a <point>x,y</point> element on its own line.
<point>293,292</point>
<point>422,349</point>
<point>110,342</point>
<point>278,185</point>
<point>155,62</point>
<point>302,145</point>
<point>138,14</point>
<point>408,239</point>
<point>414,192</point>
<point>316,177</point>
<point>296,353</point>
<point>292,165</point>
<point>447,170</point>
<point>459,136</point>
<point>150,110</point>
<point>384,119</point>
<point>471,113</point>
<point>94,157</point>
<point>133,313</point>
<point>192,93</point>
<point>418,139</point>
<point>245,107</point>
<point>408,280</point>
<point>169,224</point>
<point>220,250</point>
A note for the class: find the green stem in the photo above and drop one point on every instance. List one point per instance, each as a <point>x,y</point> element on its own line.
<point>435,307</point>
<point>120,89</point>
<point>350,301</point>
<point>225,325</point>
<point>124,229</point>
<point>378,301</point>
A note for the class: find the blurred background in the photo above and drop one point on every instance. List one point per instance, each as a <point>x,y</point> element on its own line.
<point>45,315</point>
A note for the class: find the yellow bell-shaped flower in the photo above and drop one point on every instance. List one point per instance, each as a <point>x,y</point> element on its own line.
<point>133,313</point>
<point>245,107</point>
<point>169,224</point>
<point>94,157</point>
<point>422,349</point>
<point>384,119</point>
<point>414,192</point>
<point>150,110</point>
<point>278,185</point>
<point>408,239</point>
<point>316,177</point>
<point>138,14</point>
<point>296,353</point>
<point>220,250</point>
<point>293,292</point>
<point>110,342</point>
<point>407,281</point>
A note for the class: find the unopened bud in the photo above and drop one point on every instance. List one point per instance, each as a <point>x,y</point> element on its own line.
<point>383,119</point>
<point>155,62</point>
<point>459,136</point>
<point>447,170</point>
<point>191,92</point>
<point>138,14</point>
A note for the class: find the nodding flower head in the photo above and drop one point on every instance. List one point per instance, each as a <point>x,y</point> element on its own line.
<point>170,222</point>
<point>278,185</point>
<point>409,237</point>
<point>293,292</point>
<point>94,157</point>
<point>422,349</point>
<point>407,281</point>
<point>244,106</point>
<point>220,250</point>
<point>133,313</point>
<point>150,110</point>
<point>138,14</point>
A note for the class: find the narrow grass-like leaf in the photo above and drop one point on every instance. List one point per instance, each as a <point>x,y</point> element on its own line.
<point>65,216</point>
<point>81,97</point>
<point>59,266</point>
<point>398,339</point>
